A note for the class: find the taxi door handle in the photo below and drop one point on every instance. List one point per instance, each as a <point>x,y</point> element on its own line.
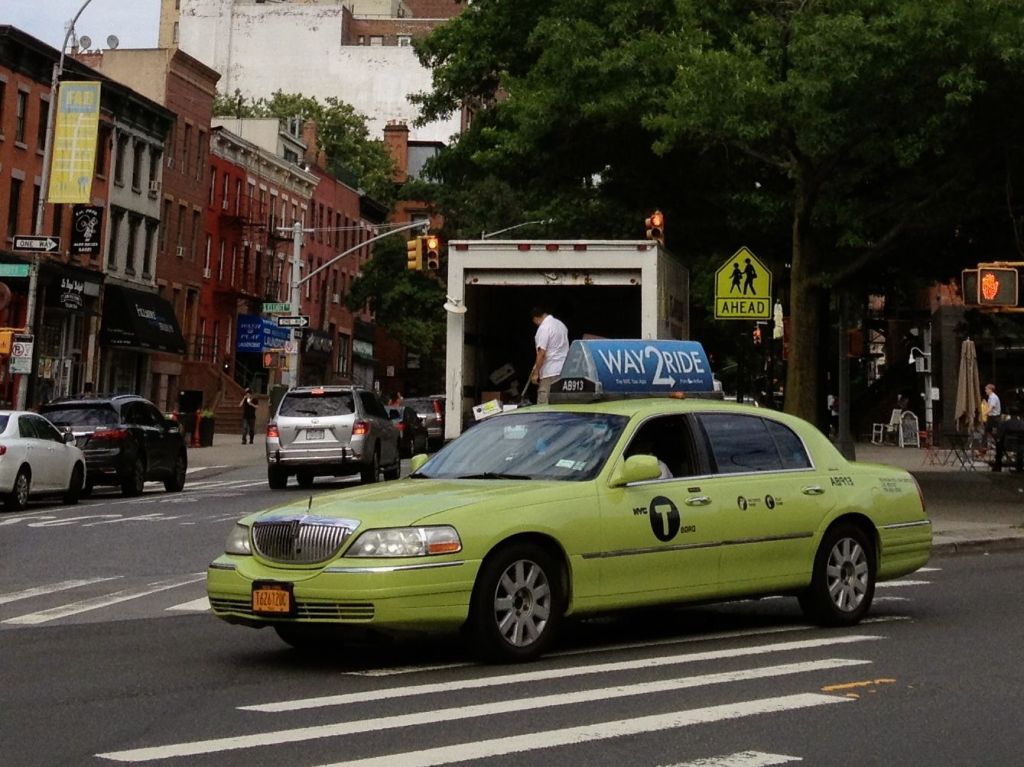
<point>812,490</point>
<point>698,500</point>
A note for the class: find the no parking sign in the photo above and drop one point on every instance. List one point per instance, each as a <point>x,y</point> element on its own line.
<point>21,354</point>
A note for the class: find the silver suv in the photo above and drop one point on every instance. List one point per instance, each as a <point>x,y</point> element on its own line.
<point>331,431</point>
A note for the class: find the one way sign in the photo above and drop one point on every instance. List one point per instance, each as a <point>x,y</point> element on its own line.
<point>36,244</point>
<point>298,321</point>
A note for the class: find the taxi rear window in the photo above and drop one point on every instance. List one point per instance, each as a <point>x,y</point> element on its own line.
<point>741,443</point>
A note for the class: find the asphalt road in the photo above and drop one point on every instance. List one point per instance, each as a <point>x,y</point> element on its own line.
<point>131,669</point>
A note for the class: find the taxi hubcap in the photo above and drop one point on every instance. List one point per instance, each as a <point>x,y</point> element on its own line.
<point>522,603</point>
<point>847,574</point>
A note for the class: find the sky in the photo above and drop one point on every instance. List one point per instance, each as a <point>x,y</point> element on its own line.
<point>134,22</point>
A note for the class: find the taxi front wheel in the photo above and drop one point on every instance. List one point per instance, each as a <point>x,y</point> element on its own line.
<point>843,582</point>
<point>518,604</point>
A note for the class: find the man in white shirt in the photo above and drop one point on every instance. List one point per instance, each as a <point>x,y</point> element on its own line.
<point>551,342</point>
<point>995,410</point>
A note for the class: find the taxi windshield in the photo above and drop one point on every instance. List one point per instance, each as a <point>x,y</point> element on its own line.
<point>540,445</point>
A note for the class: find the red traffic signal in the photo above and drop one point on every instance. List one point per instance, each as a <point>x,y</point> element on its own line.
<point>997,286</point>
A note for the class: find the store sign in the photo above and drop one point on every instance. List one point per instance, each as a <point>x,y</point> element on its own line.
<point>71,293</point>
<point>21,354</point>
<point>362,349</point>
<point>85,233</point>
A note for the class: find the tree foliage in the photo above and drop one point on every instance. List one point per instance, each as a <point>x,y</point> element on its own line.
<point>847,142</point>
<point>352,156</point>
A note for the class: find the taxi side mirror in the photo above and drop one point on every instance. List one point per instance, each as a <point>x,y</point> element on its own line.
<point>636,468</point>
<point>417,461</point>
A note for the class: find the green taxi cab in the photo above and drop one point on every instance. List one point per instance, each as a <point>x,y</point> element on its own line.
<point>580,508</point>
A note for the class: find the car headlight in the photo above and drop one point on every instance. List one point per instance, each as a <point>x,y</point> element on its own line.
<point>406,542</point>
<point>238,541</point>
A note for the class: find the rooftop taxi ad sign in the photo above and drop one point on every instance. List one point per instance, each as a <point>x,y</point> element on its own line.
<point>636,366</point>
<point>74,142</point>
<point>743,288</point>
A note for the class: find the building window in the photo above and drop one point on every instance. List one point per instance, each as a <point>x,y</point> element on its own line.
<point>176,33</point>
<point>186,149</point>
<point>138,155</point>
<point>116,219</point>
<point>165,223</point>
<point>13,208</point>
<point>147,254</point>
<point>155,156</point>
<point>58,219</point>
<point>376,40</point>
<point>3,99</point>
<point>209,250</point>
<point>195,234</point>
<point>213,188</point>
<point>238,197</point>
<point>133,236</point>
<point>225,186</point>
<point>102,150</point>
<point>180,241</point>
<point>122,149</point>
<point>44,108</point>
<point>404,41</point>
<point>344,342</point>
<point>201,149</point>
<point>220,261</point>
<point>20,108</point>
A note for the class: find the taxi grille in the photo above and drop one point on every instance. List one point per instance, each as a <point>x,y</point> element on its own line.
<point>320,610</point>
<point>300,543</point>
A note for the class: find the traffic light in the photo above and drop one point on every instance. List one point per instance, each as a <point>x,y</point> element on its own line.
<point>757,335</point>
<point>414,254</point>
<point>432,252</point>
<point>997,286</point>
<point>269,360</point>
<point>655,224</point>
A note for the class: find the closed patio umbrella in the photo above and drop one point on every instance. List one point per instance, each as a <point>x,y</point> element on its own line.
<point>968,389</point>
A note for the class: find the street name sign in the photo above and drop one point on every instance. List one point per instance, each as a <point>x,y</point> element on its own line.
<point>36,244</point>
<point>271,308</point>
<point>13,270</point>
<point>743,288</point>
<point>298,321</point>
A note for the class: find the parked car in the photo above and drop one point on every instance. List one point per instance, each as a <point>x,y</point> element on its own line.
<point>37,459</point>
<point>431,413</point>
<point>331,431</point>
<point>126,440</point>
<point>413,437</point>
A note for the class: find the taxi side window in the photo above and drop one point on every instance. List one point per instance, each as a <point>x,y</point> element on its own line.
<point>791,449</point>
<point>740,443</point>
<point>666,438</point>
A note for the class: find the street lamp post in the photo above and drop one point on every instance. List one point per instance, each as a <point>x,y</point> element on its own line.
<point>44,190</point>
<point>297,280</point>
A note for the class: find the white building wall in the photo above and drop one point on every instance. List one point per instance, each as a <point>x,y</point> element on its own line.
<point>262,48</point>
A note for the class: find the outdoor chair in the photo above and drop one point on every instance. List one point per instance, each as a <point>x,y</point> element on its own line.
<point>881,431</point>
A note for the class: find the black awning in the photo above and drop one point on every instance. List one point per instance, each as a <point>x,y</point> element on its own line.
<point>134,319</point>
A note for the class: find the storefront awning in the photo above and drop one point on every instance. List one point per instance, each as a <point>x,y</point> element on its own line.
<point>139,320</point>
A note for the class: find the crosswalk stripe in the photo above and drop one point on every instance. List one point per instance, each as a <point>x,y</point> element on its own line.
<point>52,588</point>
<point>741,759</point>
<point>897,584</point>
<point>507,706</point>
<point>593,732</point>
<point>557,673</point>
<point>200,605</point>
<point>106,600</point>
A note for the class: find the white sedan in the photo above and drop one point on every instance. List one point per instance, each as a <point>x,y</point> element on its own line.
<point>37,459</point>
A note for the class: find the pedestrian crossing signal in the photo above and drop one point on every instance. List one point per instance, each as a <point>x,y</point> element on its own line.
<point>414,254</point>
<point>432,251</point>
<point>655,224</point>
<point>268,359</point>
<point>997,286</point>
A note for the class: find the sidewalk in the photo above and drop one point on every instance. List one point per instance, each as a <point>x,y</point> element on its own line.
<point>970,510</point>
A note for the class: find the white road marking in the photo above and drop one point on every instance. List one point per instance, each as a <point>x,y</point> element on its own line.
<point>52,588</point>
<point>557,673</point>
<point>200,605</point>
<point>97,603</point>
<point>891,599</point>
<point>930,570</point>
<point>897,584</point>
<point>434,716</point>
<point>192,469</point>
<point>593,732</point>
<point>742,759</point>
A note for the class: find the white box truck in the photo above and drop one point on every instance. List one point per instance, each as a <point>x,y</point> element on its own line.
<point>598,288</point>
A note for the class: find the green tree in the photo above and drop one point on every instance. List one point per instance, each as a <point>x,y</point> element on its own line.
<point>845,140</point>
<point>352,156</point>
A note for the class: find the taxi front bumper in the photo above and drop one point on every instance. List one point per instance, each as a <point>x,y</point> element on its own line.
<point>389,596</point>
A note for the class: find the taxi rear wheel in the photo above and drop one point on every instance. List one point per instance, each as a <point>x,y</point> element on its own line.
<point>843,583</point>
<point>517,604</point>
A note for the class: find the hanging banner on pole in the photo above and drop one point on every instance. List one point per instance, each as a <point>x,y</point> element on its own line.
<point>74,142</point>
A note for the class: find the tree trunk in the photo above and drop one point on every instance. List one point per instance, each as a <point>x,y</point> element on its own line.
<point>805,316</point>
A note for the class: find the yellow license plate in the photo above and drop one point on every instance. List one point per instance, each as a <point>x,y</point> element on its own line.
<point>271,600</point>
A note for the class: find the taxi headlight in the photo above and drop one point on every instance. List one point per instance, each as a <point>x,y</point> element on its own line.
<point>238,541</point>
<point>406,542</point>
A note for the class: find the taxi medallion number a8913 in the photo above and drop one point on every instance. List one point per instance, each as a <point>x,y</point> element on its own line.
<point>272,599</point>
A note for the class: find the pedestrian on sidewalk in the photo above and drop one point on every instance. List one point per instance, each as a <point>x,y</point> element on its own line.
<point>248,405</point>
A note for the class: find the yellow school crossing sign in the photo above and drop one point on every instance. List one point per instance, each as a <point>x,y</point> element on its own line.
<point>743,288</point>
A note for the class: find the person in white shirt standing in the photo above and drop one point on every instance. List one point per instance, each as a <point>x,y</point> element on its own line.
<point>995,410</point>
<point>551,342</point>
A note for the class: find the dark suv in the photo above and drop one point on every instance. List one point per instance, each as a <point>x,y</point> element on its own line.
<point>126,441</point>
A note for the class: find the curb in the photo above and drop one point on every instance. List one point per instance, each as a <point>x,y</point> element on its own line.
<point>981,545</point>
